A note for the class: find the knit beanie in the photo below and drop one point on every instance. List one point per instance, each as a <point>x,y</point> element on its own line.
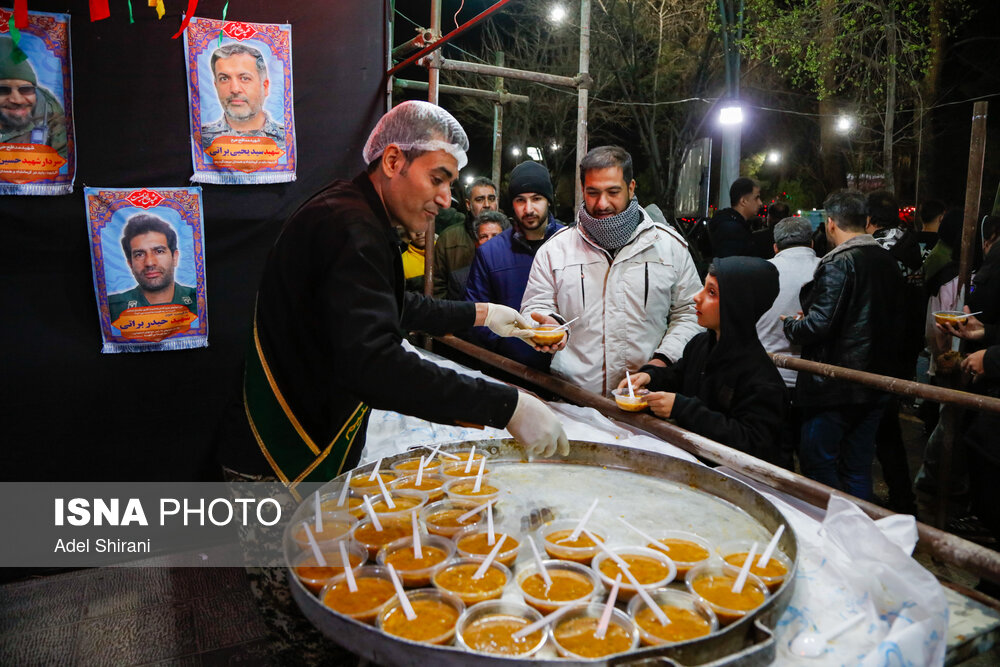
<point>12,63</point>
<point>530,176</point>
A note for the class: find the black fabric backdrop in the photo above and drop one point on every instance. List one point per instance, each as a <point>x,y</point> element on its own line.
<point>72,413</point>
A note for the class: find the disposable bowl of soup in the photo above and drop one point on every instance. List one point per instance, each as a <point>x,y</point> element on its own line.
<point>636,403</point>
<point>572,583</point>
<point>353,503</point>
<point>575,634</point>
<point>373,539</point>
<point>436,615</point>
<point>652,569</point>
<point>457,469</point>
<point>684,548</point>
<point>314,576</point>
<point>547,335</point>
<point>458,578</point>
<point>713,583</point>
<point>405,501</point>
<point>473,542</point>
<point>950,316</point>
<point>690,617</point>
<point>336,526</point>
<point>374,590</point>
<point>410,466</point>
<point>464,489</point>
<point>417,572</point>
<point>555,538</point>
<point>430,484</point>
<point>362,483</point>
<point>488,627</point>
<point>442,518</point>
<point>773,574</point>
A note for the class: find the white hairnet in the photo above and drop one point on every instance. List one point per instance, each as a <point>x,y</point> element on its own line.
<point>416,125</point>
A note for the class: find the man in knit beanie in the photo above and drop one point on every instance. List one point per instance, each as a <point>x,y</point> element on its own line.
<point>29,114</point>
<point>501,265</point>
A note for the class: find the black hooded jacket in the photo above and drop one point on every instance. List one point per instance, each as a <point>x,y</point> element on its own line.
<point>729,390</point>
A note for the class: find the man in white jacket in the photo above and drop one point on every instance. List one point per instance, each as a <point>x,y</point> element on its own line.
<point>628,278</point>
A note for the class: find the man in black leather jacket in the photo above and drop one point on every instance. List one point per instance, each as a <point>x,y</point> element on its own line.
<point>850,312</point>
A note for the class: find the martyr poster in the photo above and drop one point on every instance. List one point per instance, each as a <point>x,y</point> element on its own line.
<point>148,255</point>
<point>240,100</point>
<point>37,142</point>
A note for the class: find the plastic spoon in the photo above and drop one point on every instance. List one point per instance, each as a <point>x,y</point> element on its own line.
<point>628,380</point>
<point>319,512</point>
<point>623,566</point>
<point>385,494</point>
<point>344,491</point>
<point>813,644</point>
<point>371,514</point>
<point>489,559</point>
<point>418,551</point>
<point>479,477</point>
<point>655,542</point>
<point>468,465</point>
<point>474,511</point>
<point>538,625</point>
<point>765,557</point>
<point>602,625</point>
<point>741,579</point>
<point>563,326</point>
<point>352,585</point>
<point>404,601</point>
<point>420,470</point>
<point>320,560</point>
<point>378,464</point>
<point>539,564</point>
<point>583,522</point>
<point>491,535</point>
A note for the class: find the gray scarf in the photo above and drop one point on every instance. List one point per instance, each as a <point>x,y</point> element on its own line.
<point>613,232</point>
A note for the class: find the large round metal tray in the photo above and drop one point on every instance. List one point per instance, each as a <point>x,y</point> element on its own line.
<point>646,488</point>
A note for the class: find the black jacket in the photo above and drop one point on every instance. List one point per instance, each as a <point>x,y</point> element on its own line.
<point>330,311</point>
<point>985,292</point>
<point>729,390</point>
<point>852,318</point>
<point>729,233</point>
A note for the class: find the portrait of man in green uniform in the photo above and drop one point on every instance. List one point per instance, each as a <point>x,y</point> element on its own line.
<point>29,113</point>
<point>150,246</point>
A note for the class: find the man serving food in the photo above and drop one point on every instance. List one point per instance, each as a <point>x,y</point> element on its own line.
<point>331,306</point>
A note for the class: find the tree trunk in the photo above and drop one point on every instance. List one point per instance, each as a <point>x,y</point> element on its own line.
<point>890,99</point>
<point>830,146</point>
<point>928,95</point>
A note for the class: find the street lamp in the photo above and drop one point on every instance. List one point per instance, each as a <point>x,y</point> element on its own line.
<point>844,124</point>
<point>515,151</point>
<point>558,14</point>
<point>774,157</point>
<point>469,179</point>
<point>731,115</point>
<point>554,147</point>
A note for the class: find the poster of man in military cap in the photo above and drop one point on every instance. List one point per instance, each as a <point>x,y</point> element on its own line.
<point>37,147</point>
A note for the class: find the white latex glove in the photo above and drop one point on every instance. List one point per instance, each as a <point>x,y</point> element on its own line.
<point>507,322</point>
<point>536,427</point>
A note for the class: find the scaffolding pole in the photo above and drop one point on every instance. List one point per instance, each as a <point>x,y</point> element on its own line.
<point>498,127</point>
<point>511,73</point>
<point>582,101</point>
<point>499,97</point>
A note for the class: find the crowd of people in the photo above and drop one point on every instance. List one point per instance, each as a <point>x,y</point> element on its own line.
<point>857,291</point>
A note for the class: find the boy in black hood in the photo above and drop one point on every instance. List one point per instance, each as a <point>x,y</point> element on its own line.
<point>725,387</point>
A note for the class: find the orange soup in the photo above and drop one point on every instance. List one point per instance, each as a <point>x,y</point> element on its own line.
<point>478,543</point>
<point>372,593</point>
<point>646,570</point>
<point>467,489</point>
<point>556,545</point>
<point>718,590</point>
<point>458,469</point>
<point>775,570</point>
<point>402,503</point>
<point>331,531</point>
<point>435,621</point>
<point>683,552</point>
<point>353,506</point>
<point>405,561</point>
<point>577,635</point>
<point>361,481</point>
<point>414,465</point>
<point>458,579</point>
<point>684,624</point>
<point>566,587</point>
<point>492,634</point>
<point>429,484</point>
<point>375,540</point>
<point>446,523</point>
